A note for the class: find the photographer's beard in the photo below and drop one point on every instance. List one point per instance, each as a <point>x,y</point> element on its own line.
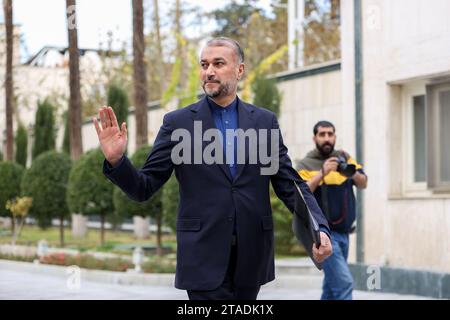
<point>212,91</point>
<point>326,149</point>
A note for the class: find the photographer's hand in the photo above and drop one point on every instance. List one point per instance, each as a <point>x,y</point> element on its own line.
<point>359,178</point>
<point>331,164</point>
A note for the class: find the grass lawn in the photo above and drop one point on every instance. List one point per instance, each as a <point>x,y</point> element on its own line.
<point>31,235</point>
<point>119,242</point>
<point>296,251</point>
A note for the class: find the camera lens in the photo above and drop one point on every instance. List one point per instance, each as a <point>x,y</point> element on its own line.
<point>345,168</point>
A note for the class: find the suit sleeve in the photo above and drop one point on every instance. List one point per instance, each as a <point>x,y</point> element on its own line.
<point>283,184</point>
<point>141,184</point>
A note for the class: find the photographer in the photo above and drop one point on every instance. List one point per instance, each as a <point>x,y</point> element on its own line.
<point>331,175</point>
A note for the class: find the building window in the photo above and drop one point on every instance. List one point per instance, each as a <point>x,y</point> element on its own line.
<point>425,137</point>
<point>444,105</point>
<point>419,138</point>
<point>438,136</point>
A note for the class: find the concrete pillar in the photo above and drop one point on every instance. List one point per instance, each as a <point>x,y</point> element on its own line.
<point>141,227</point>
<point>296,17</point>
<point>6,223</point>
<point>79,225</point>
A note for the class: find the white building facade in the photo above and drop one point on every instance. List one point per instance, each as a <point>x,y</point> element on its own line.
<point>401,52</point>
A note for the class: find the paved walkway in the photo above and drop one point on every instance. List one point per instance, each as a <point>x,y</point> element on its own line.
<point>27,285</point>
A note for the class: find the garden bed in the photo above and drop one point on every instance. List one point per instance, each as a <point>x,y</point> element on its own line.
<point>155,264</point>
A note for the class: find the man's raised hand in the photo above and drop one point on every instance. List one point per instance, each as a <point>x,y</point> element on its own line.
<point>113,140</point>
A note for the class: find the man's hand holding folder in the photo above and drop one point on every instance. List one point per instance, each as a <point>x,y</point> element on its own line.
<point>324,251</point>
<point>307,231</point>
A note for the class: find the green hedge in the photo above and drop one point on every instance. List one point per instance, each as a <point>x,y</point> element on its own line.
<point>46,183</point>
<point>44,129</point>
<point>118,100</point>
<point>89,192</point>
<point>285,241</point>
<point>21,145</point>
<point>170,201</point>
<point>66,137</point>
<point>127,208</point>
<point>266,94</point>
<point>10,177</point>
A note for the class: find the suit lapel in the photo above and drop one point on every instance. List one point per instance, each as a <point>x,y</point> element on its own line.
<point>201,112</point>
<point>246,121</point>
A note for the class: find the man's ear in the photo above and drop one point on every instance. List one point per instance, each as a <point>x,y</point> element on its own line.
<point>241,70</point>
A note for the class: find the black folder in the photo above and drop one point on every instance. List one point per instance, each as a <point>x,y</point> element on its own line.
<point>305,226</point>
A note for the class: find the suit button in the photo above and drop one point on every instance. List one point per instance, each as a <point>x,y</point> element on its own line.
<point>230,218</point>
<point>233,189</point>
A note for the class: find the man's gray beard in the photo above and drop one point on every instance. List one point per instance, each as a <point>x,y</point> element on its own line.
<point>223,90</point>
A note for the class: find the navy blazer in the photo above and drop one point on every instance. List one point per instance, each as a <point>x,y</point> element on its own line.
<point>210,200</point>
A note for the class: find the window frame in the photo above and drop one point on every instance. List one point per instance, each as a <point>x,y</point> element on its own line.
<point>434,181</point>
<point>409,92</point>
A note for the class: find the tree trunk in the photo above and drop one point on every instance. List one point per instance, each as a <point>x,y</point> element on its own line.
<point>76,143</point>
<point>13,225</point>
<point>159,47</point>
<point>180,54</point>
<point>18,228</point>
<point>139,74</point>
<point>61,232</point>
<point>178,25</point>
<point>9,93</point>
<point>14,234</point>
<point>102,229</point>
<point>159,249</point>
<point>335,8</point>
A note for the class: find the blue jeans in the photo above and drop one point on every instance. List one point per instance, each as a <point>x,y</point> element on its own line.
<point>338,281</point>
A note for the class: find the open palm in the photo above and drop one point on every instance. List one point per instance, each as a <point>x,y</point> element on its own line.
<point>113,139</point>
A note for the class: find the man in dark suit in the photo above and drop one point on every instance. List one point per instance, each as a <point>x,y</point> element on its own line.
<point>225,240</point>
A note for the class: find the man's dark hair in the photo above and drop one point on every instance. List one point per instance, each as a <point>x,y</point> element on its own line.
<point>224,41</point>
<point>323,124</point>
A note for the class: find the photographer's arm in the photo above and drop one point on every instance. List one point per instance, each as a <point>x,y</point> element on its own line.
<point>329,165</point>
<point>360,180</point>
<point>315,181</point>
